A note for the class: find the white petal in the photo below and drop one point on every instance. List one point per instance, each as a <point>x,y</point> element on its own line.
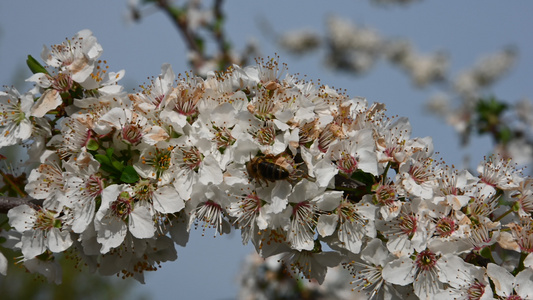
<point>375,253</point>
<point>113,88</point>
<point>523,286</point>
<point>33,244</point>
<point>167,200</point>
<point>109,194</point>
<point>49,269</point>
<point>400,245</point>
<point>141,224</point>
<point>80,73</point>
<point>368,162</point>
<point>223,114</point>
<point>329,200</point>
<point>453,270</point>
<point>502,279</point>
<point>210,171</point>
<point>40,79</point>
<point>145,170</point>
<point>183,184</point>
<point>324,260</point>
<point>279,196</point>
<point>21,217</point>
<point>352,240</point>
<point>154,135</point>
<point>261,221</point>
<point>401,271</point>
<point>528,262</point>
<point>111,233</point>
<point>115,118</point>
<point>324,171</point>
<point>83,216</point>
<point>49,100</point>
<point>327,224</point>
<point>14,133</point>
<point>426,285</point>
<point>3,264</point>
<point>179,234</point>
<point>58,241</point>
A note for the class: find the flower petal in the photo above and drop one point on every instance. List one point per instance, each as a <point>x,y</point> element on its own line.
<point>167,200</point>
<point>141,224</point>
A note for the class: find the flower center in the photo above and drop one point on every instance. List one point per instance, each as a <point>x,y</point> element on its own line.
<point>143,190</point>
<point>330,134</point>
<point>308,132</point>
<point>62,82</point>
<point>347,164</point>
<point>223,137</point>
<point>385,195</point>
<point>45,220</point>
<point>265,135</point>
<point>123,206</point>
<point>12,113</point>
<point>445,226</point>
<point>523,235</point>
<point>192,158</point>
<point>94,186</point>
<point>426,260</point>
<point>408,224</point>
<point>475,291</point>
<point>526,202</point>
<point>421,172</point>
<point>211,214</point>
<point>161,160</point>
<point>348,213</point>
<point>131,133</point>
<point>187,99</point>
<point>248,209</point>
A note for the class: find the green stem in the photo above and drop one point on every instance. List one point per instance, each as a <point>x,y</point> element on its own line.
<point>384,176</point>
<point>520,266</point>
<point>13,185</point>
<point>503,215</point>
<point>490,256</point>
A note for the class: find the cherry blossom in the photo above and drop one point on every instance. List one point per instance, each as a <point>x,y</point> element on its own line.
<point>311,177</point>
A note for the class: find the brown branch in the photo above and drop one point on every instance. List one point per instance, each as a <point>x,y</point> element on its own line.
<point>220,37</point>
<point>7,203</point>
<point>8,179</point>
<point>180,21</point>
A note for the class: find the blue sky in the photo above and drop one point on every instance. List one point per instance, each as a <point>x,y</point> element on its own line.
<point>207,268</point>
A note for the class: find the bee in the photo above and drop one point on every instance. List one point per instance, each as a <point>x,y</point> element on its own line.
<point>273,167</point>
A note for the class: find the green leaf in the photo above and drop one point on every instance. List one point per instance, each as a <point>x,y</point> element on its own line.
<point>92,145</point>
<point>109,152</point>
<point>486,252</point>
<point>105,164</point>
<point>35,66</point>
<point>129,175</point>
<point>366,178</point>
<point>103,160</point>
<point>117,165</point>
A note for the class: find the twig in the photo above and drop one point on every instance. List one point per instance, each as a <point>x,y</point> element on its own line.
<point>7,203</point>
<point>220,37</point>
<point>180,20</point>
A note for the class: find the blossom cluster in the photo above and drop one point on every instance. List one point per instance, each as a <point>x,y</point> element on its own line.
<point>303,171</point>
<point>355,49</point>
<point>462,100</point>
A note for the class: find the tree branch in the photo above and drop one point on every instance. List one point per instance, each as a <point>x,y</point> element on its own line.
<point>7,203</point>
<point>180,21</point>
